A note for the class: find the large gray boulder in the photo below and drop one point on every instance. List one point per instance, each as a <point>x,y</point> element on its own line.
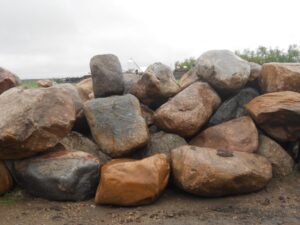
<point>117,124</point>
<point>233,107</point>
<point>107,75</point>
<point>8,80</point>
<point>223,70</point>
<point>33,120</point>
<point>59,174</point>
<point>214,173</point>
<point>156,86</point>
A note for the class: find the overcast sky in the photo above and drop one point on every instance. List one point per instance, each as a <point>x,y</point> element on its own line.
<point>54,38</point>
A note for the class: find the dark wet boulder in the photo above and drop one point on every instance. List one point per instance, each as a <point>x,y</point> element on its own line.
<point>58,174</point>
<point>233,107</point>
<point>106,75</point>
<point>6,181</point>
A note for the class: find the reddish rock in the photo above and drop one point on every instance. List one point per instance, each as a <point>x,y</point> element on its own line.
<point>45,83</point>
<point>214,173</point>
<point>188,111</point>
<point>34,120</point>
<point>6,181</point>
<point>235,135</point>
<point>7,80</point>
<point>280,77</point>
<point>278,114</point>
<point>128,182</point>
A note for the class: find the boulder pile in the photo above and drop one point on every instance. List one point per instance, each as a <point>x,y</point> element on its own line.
<point>122,138</point>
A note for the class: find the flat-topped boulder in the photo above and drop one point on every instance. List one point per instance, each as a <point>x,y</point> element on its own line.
<point>278,114</point>
<point>128,182</point>
<point>117,124</point>
<point>223,70</point>
<point>7,80</point>
<point>280,77</point>
<point>34,120</point>
<point>107,75</point>
<point>187,111</point>
<point>156,85</point>
<point>58,174</point>
<point>210,172</point>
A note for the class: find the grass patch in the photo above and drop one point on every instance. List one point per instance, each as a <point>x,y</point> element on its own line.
<point>29,83</point>
<point>11,197</point>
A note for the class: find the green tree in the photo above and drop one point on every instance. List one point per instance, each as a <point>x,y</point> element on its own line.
<point>265,55</point>
<point>186,64</point>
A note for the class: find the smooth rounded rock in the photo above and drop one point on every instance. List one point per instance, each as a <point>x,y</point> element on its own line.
<point>209,172</point>
<point>128,182</point>
<point>117,124</point>
<point>188,111</point>
<point>235,135</point>
<point>45,83</point>
<point>278,114</point>
<point>107,75</point>
<point>223,70</point>
<point>58,174</point>
<point>34,120</point>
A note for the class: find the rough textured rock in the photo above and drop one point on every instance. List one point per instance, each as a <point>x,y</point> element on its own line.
<point>233,107</point>
<point>278,114</point>
<point>280,77</point>
<point>188,111</point>
<point>147,113</point>
<point>6,181</point>
<point>156,85</point>
<point>77,142</point>
<point>129,80</point>
<point>107,75</point>
<point>34,120</point>
<point>188,78</point>
<point>45,83</point>
<point>215,173</point>
<point>255,70</point>
<point>117,124</point>
<point>235,135</point>
<point>85,89</point>
<point>161,143</point>
<point>282,163</point>
<point>223,70</point>
<point>133,182</point>
<point>58,174</point>
<point>7,80</point>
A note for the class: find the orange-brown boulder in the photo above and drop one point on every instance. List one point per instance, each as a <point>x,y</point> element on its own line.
<point>214,173</point>
<point>128,182</point>
<point>7,80</point>
<point>45,83</point>
<point>34,120</point>
<point>280,77</point>
<point>235,135</point>
<point>188,111</point>
<point>6,181</point>
<point>278,114</point>
<point>85,89</point>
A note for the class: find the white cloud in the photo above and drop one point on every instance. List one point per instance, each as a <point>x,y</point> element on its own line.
<point>58,37</point>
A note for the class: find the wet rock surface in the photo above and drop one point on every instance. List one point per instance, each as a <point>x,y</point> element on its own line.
<point>133,182</point>
<point>208,172</point>
<point>117,124</point>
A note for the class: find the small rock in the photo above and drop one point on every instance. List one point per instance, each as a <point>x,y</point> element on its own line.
<point>133,182</point>
<point>45,83</point>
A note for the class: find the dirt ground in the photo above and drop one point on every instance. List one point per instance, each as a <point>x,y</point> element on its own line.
<point>278,204</point>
